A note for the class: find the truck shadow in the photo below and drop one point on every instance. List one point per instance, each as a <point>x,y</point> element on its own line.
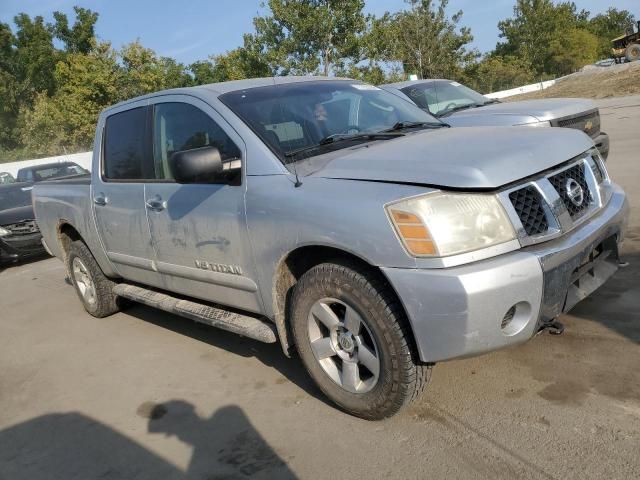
<point>71,445</point>
<point>269,354</point>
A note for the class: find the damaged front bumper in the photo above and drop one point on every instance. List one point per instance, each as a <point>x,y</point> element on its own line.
<point>14,247</point>
<point>491,304</point>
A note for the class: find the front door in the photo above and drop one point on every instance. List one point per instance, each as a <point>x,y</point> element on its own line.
<point>199,230</point>
<point>118,194</point>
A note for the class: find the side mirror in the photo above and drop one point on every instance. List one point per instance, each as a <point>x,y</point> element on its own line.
<point>196,165</point>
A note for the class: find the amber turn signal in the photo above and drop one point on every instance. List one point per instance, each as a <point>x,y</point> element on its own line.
<point>413,233</point>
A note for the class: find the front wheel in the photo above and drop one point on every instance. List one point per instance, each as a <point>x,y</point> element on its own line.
<point>632,53</point>
<point>351,334</point>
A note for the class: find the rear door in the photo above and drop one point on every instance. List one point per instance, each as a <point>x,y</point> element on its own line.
<point>199,230</point>
<point>118,193</point>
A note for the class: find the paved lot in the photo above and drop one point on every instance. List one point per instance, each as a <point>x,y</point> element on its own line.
<point>147,395</point>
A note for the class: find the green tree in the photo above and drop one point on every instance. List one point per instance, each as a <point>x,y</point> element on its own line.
<point>424,39</point>
<point>202,72</point>
<point>81,37</point>
<point>573,50</point>
<point>86,84</point>
<point>373,73</point>
<point>35,56</point>
<point>308,36</point>
<point>533,28</point>
<point>494,73</point>
<point>41,127</point>
<point>144,72</point>
<point>175,74</point>
<point>9,102</point>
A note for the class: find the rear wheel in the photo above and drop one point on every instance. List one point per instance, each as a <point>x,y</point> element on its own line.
<point>351,334</point>
<point>94,289</point>
<point>632,53</point>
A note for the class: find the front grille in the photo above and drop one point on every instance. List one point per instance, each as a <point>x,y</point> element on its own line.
<point>25,227</point>
<point>588,123</point>
<point>528,206</point>
<point>560,183</point>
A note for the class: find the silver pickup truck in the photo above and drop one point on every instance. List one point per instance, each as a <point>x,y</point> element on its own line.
<point>340,220</point>
<point>460,106</point>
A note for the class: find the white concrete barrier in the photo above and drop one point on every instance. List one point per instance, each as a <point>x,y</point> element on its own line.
<point>83,159</point>
<point>534,87</point>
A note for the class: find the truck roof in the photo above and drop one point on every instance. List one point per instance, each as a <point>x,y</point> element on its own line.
<point>217,89</point>
<point>44,166</point>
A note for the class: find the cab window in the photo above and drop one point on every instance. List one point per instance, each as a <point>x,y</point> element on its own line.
<point>180,126</point>
<point>124,145</point>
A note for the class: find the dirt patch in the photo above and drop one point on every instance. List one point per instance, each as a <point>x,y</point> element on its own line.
<point>596,82</point>
<point>567,392</point>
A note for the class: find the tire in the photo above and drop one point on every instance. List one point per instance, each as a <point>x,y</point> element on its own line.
<point>632,53</point>
<point>342,314</point>
<point>93,288</point>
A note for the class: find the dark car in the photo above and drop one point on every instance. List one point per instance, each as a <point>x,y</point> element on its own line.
<point>49,171</point>
<point>19,234</point>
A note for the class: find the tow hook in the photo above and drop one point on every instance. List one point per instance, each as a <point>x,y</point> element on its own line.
<point>553,326</point>
<point>622,264</point>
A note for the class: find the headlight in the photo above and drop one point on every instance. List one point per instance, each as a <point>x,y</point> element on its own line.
<point>534,124</point>
<point>441,224</point>
<point>4,232</point>
<point>596,163</point>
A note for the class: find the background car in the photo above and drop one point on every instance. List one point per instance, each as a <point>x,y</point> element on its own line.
<point>48,171</point>
<point>461,106</point>
<point>20,236</point>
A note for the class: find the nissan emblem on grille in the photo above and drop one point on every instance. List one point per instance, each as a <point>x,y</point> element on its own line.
<point>574,192</point>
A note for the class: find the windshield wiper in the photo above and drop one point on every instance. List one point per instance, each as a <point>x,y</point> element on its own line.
<point>343,137</point>
<point>458,108</point>
<point>489,102</point>
<point>406,125</point>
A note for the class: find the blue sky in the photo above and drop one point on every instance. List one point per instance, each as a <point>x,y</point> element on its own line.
<point>190,30</point>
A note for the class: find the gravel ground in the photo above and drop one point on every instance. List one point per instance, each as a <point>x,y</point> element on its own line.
<point>146,395</point>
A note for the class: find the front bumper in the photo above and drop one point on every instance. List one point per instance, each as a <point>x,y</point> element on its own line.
<point>458,312</point>
<point>17,247</point>
<point>602,144</point>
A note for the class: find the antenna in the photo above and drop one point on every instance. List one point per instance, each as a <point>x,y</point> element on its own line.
<point>295,172</point>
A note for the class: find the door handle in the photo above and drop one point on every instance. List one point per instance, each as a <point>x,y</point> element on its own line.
<point>100,200</point>
<point>156,203</point>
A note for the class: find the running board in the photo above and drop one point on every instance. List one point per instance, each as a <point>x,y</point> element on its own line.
<point>216,317</point>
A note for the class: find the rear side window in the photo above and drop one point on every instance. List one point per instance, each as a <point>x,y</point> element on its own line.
<point>125,145</point>
<point>178,127</point>
<point>25,176</point>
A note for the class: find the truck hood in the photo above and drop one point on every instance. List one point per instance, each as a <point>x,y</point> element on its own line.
<point>17,214</point>
<point>545,109</point>
<point>461,158</point>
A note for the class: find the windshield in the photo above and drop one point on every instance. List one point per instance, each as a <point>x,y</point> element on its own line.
<point>297,117</point>
<point>48,172</point>
<point>442,97</point>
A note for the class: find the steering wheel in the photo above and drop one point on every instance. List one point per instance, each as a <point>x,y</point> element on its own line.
<point>451,105</point>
